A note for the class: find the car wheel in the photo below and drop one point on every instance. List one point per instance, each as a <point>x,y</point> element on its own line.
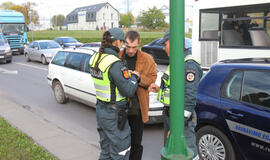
<point>213,144</point>
<point>27,57</point>
<point>59,93</point>
<point>43,60</point>
<point>9,61</point>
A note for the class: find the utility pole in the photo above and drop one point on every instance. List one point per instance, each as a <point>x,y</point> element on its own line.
<point>128,13</point>
<point>176,148</point>
<point>31,24</point>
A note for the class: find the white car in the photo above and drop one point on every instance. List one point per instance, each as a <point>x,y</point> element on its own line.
<point>69,77</point>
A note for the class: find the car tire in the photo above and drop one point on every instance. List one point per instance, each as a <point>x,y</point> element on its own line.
<point>59,93</point>
<point>27,57</point>
<point>43,60</point>
<point>9,61</point>
<point>220,146</point>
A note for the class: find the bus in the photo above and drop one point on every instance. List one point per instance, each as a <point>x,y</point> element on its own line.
<point>230,29</point>
<point>12,25</point>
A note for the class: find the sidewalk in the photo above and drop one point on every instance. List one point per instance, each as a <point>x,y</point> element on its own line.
<point>57,141</point>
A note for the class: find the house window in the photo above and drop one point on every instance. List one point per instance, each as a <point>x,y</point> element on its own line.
<point>103,15</point>
<point>112,16</point>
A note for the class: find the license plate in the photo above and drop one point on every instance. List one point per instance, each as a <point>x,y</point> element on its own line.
<point>2,56</point>
<point>15,50</point>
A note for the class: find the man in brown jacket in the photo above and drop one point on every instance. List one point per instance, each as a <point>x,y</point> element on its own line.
<point>142,64</point>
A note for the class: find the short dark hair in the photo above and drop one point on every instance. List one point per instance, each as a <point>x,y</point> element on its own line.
<point>132,36</point>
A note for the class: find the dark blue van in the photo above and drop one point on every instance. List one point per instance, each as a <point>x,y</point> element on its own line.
<point>233,111</point>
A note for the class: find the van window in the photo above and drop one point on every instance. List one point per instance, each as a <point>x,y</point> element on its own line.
<point>257,90</point>
<point>60,58</point>
<point>232,86</point>
<point>74,60</point>
<point>209,26</point>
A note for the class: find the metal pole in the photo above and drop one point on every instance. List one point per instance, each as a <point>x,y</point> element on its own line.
<point>176,148</point>
<point>128,12</point>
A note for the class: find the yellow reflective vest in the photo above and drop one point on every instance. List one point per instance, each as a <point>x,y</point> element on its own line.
<point>101,79</point>
<point>164,92</point>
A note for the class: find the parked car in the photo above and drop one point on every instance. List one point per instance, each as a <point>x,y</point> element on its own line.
<point>68,42</point>
<point>155,49</point>
<point>233,111</point>
<point>5,51</point>
<point>41,50</point>
<point>69,76</point>
<point>93,45</point>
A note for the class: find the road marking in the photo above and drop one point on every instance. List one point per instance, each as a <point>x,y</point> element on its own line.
<point>30,66</point>
<point>2,70</point>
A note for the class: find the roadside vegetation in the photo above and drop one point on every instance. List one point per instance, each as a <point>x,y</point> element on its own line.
<point>89,36</point>
<point>16,145</point>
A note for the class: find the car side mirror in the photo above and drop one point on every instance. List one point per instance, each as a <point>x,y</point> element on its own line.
<point>36,48</point>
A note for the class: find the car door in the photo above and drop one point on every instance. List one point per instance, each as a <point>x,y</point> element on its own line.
<point>86,82</point>
<point>72,74</point>
<point>35,51</point>
<point>159,53</point>
<point>246,103</point>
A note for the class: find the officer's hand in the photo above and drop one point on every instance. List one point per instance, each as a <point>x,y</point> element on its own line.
<point>135,72</point>
<point>153,88</point>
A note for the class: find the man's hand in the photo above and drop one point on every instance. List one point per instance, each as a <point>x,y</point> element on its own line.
<point>153,88</point>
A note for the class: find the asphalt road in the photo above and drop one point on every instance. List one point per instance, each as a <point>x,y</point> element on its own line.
<point>25,83</point>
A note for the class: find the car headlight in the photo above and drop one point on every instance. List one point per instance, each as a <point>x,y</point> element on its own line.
<point>7,50</point>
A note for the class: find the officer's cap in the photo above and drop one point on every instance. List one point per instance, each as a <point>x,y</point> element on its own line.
<point>117,34</point>
<point>166,37</point>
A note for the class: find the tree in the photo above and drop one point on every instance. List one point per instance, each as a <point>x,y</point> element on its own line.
<point>126,19</point>
<point>29,7</point>
<point>58,20</point>
<point>7,5</point>
<point>152,19</point>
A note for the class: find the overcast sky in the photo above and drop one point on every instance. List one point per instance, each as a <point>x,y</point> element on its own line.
<point>48,8</point>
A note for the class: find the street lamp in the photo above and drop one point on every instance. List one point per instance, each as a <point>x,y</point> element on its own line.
<point>30,23</point>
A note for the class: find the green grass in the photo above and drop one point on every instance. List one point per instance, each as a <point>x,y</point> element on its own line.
<point>15,145</point>
<point>89,36</point>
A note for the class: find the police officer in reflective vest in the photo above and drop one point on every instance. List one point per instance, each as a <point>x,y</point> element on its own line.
<point>193,74</point>
<point>113,84</point>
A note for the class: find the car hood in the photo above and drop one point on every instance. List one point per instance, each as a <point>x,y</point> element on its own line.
<point>77,44</point>
<point>51,51</point>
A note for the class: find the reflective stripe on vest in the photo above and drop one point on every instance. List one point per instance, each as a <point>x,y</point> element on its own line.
<point>102,84</point>
<point>164,92</point>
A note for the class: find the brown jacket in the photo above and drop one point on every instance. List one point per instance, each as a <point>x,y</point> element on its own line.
<point>146,66</point>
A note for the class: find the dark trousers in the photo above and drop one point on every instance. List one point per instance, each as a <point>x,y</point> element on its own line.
<point>136,126</point>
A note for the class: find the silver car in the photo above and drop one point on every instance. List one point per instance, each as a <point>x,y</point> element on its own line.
<point>42,51</point>
<point>5,51</point>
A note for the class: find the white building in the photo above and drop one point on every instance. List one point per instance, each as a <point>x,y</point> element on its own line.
<point>99,16</point>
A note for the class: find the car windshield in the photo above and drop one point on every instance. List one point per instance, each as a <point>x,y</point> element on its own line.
<point>69,40</point>
<point>2,40</point>
<point>12,28</point>
<point>49,45</point>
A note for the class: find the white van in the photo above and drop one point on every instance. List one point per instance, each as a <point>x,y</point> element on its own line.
<point>69,77</point>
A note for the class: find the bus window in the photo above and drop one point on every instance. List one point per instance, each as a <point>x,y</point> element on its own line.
<point>209,26</point>
<point>244,29</point>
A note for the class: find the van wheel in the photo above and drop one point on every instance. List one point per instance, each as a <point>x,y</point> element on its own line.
<point>59,93</point>
<point>27,57</point>
<point>213,144</point>
<point>43,60</point>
